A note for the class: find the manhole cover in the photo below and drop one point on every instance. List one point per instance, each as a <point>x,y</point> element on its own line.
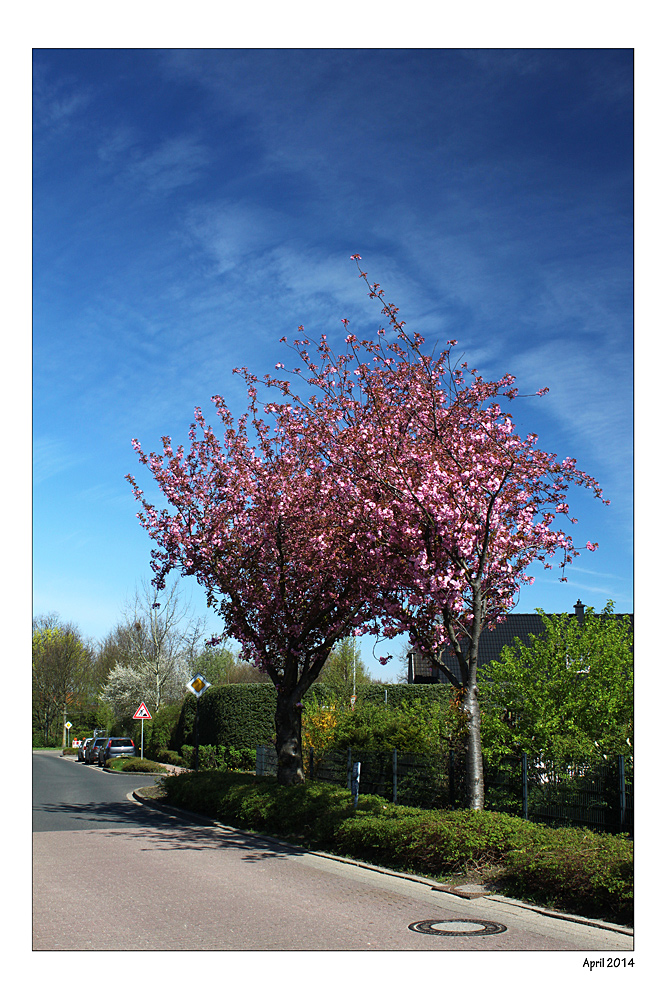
<point>458,928</point>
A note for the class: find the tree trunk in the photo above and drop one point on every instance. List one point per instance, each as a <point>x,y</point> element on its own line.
<point>474,763</point>
<point>288,741</point>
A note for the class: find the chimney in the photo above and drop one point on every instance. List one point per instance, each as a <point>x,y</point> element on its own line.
<point>579,612</point>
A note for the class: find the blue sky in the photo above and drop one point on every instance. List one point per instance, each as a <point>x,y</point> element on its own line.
<point>192,207</point>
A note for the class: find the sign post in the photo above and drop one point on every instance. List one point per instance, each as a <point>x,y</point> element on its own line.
<point>142,713</point>
<point>197,686</point>
<point>68,726</point>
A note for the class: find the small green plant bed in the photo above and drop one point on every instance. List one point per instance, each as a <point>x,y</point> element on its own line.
<point>134,765</point>
<point>167,757</point>
<point>568,868</point>
<point>70,751</point>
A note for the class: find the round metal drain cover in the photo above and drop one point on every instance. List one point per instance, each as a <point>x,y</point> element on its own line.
<point>458,928</point>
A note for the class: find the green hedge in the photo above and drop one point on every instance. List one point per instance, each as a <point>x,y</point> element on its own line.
<point>577,870</point>
<point>231,715</point>
<point>213,757</point>
<point>242,715</point>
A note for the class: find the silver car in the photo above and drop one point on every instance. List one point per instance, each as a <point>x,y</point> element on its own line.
<point>81,755</point>
<point>115,746</point>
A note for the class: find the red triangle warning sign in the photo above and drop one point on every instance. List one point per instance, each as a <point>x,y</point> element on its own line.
<point>142,713</point>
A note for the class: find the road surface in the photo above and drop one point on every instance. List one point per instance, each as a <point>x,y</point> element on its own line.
<point>149,881</point>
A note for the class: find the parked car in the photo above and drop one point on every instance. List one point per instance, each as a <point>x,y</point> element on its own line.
<point>115,746</point>
<point>90,756</point>
<point>81,755</point>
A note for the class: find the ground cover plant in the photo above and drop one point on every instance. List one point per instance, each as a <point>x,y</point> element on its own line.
<point>573,869</point>
<point>135,765</point>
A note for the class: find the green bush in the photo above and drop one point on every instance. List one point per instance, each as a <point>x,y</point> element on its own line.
<point>309,812</point>
<point>580,870</point>
<point>219,758</point>
<point>70,751</point>
<point>136,764</point>
<point>575,869</point>
<point>161,729</point>
<point>168,757</point>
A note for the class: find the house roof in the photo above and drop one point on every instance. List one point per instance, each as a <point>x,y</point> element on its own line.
<point>491,642</point>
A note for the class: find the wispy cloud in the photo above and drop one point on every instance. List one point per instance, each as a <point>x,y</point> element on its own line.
<point>173,163</point>
<point>590,394</point>
<point>51,457</point>
<point>58,101</point>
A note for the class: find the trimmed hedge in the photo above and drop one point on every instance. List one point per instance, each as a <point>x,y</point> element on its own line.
<point>242,715</point>
<point>230,715</point>
<point>217,757</point>
<point>576,870</point>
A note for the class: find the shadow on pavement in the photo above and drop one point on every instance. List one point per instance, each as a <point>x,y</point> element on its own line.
<point>163,831</point>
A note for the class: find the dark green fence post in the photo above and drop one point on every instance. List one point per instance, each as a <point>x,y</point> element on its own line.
<point>349,767</point>
<point>621,788</point>
<point>452,782</point>
<point>394,763</point>
<point>524,784</point>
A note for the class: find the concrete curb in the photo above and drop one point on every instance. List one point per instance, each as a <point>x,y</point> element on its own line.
<point>431,883</point>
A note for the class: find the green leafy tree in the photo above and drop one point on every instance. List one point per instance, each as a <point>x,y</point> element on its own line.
<point>220,665</point>
<point>565,695</point>
<point>344,671</point>
<point>61,676</point>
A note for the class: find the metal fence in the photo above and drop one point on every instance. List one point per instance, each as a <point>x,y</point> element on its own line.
<point>591,793</point>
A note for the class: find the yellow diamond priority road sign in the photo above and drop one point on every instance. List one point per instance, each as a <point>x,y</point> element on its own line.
<point>198,685</point>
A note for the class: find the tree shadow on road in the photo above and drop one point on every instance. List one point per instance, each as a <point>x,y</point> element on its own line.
<point>164,831</point>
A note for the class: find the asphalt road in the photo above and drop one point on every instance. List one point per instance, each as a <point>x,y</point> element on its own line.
<point>148,881</point>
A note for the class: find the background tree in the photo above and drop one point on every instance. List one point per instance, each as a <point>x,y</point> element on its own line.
<point>565,696</point>
<point>344,671</point>
<point>220,665</point>
<point>156,649</point>
<point>459,504</point>
<point>61,675</point>
<point>150,655</point>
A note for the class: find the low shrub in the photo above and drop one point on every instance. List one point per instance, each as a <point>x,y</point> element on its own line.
<point>430,841</point>
<point>571,868</point>
<point>142,766</point>
<point>70,751</point>
<point>308,813</point>
<point>579,869</point>
<point>168,757</point>
<point>212,757</point>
